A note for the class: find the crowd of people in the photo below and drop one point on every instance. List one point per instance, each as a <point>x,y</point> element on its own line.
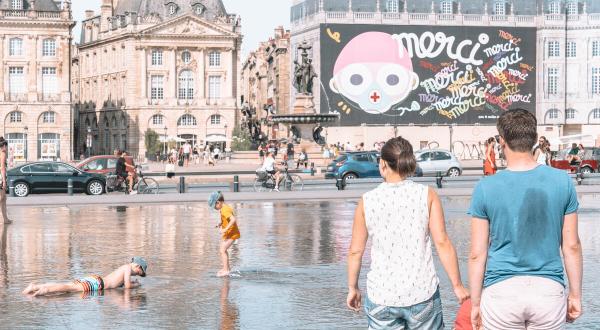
<point>186,154</point>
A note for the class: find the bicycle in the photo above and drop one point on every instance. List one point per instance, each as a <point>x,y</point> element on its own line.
<point>142,184</point>
<point>266,182</point>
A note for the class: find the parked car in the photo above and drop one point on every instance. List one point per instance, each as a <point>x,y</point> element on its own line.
<point>590,161</point>
<point>53,177</point>
<point>353,165</point>
<point>432,161</point>
<point>103,164</point>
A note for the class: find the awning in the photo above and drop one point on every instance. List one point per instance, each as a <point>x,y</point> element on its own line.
<point>171,139</point>
<point>216,138</point>
<point>586,139</point>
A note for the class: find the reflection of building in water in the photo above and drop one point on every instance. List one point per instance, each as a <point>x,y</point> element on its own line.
<point>565,104</point>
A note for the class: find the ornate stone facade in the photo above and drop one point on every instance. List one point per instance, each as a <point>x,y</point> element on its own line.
<point>265,83</point>
<point>171,67</point>
<point>35,98</point>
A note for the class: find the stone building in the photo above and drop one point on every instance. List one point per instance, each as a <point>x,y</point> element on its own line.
<point>35,98</point>
<point>567,64</point>
<point>265,84</point>
<point>167,66</point>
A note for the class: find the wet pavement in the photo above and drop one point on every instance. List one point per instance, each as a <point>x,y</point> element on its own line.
<point>290,266</point>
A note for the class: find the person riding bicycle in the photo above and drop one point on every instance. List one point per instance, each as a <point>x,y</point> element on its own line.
<point>121,170</point>
<point>269,167</point>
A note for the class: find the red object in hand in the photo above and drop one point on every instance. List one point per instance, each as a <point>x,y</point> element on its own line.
<point>463,317</point>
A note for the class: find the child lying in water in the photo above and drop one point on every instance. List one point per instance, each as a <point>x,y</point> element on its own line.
<point>121,277</point>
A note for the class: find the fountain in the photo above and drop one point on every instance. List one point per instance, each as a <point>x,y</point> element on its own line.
<point>305,122</point>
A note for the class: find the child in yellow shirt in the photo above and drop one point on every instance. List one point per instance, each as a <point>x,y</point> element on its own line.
<point>228,226</point>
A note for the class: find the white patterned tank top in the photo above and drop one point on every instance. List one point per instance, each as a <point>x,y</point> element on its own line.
<point>402,272</point>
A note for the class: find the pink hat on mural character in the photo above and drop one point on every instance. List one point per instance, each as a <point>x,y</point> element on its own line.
<point>374,72</point>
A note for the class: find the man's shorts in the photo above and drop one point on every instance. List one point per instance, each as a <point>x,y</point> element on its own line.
<point>91,283</point>
<point>186,156</point>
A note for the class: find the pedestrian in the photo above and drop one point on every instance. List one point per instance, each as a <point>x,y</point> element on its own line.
<point>489,164</point>
<point>522,219</point>
<point>290,151</point>
<point>542,153</point>
<point>402,218</point>
<point>3,184</point>
<point>228,228</point>
<point>187,151</point>
<point>302,159</point>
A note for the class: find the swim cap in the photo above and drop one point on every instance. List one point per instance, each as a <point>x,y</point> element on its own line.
<point>213,198</point>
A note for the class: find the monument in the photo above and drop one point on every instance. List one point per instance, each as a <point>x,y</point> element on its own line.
<point>305,122</point>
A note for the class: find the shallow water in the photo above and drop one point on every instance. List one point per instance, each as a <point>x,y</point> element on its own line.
<point>290,266</point>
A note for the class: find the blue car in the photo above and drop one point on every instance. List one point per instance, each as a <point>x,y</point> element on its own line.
<point>353,165</point>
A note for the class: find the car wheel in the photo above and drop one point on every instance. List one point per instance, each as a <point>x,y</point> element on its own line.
<point>586,170</point>
<point>21,189</point>
<point>95,187</point>
<point>350,176</point>
<point>453,172</point>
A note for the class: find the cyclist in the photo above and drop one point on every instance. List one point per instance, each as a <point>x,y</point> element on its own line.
<point>121,170</point>
<point>269,167</point>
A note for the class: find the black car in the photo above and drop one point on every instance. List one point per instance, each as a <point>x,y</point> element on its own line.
<point>53,177</point>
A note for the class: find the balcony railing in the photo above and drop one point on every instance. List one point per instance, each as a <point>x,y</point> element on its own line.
<point>14,13</point>
<point>418,17</point>
<point>498,18</point>
<point>337,15</point>
<point>446,17</point>
<point>30,14</point>
<point>48,14</point>
<point>17,97</point>
<point>364,16</point>
<point>473,18</point>
<point>394,16</point>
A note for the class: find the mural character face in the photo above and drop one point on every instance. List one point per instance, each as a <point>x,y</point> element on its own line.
<point>371,72</point>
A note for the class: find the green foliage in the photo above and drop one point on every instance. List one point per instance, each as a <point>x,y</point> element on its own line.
<point>152,141</point>
<point>241,140</point>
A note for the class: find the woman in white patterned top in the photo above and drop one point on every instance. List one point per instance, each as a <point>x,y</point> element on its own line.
<point>402,218</point>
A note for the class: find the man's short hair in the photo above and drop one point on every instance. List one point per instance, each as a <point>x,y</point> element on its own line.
<point>3,142</point>
<point>518,127</point>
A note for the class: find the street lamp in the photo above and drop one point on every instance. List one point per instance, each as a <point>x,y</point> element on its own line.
<point>225,146</point>
<point>26,129</point>
<point>88,142</point>
<point>165,140</point>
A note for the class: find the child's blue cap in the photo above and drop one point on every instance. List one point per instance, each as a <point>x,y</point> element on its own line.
<point>142,262</point>
<point>213,198</point>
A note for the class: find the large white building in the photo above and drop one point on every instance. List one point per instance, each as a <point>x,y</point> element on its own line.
<point>567,67</point>
<point>167,66</point>
<point>35,96</point>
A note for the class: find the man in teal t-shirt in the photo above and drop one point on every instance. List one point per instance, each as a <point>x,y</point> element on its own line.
<point>522,218</point>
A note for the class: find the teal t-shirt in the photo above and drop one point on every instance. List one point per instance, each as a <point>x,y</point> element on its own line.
<point>526,213</point>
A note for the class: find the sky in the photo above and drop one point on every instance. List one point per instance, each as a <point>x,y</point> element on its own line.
<point>259,18</point>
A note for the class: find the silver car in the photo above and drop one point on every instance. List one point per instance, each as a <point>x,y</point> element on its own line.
<point>432,161</point>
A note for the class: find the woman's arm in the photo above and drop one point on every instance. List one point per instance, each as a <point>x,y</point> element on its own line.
<point>480,231</point>
<point>443,245</point>
<point>357,249</point>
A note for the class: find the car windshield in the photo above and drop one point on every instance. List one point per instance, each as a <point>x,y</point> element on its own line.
<point>341,158</point>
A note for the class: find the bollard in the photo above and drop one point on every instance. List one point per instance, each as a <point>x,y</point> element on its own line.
<point>312,169</point>
<point>579,178</point>
<point>236,183</point>
<point>70,187</point>
<point>340,183</point>
<point>438,180</point>
<point>181,184</point>
<point>11,188</point>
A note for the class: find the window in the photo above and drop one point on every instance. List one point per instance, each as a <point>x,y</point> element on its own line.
<point>63,168</point>
<point>554,7</point>
<point>49,82</point>
<point>16,47</point>
<point>571,49</point>
<point>186,57</point>
<point>572,8</point>
<point>16,4</point>
<point>172,9</point>
<point>553,114</point>
<point>499,8</point>
<point>553,49</point>
<point>186,85</point>
<point>552,81</point>
<point>16,117</point>
<point>215,120</point>
<point>446,7</point>
<point>156,88</point>
<point>392,6</point>
<point>97,164</point>
<point>596,114</point>
<point>49,117</point>
<point>214,87</point>
<point>596,48</point>
<point>187,120</point>
<point>158,120</point>
<point>214,59</point>
<point>40,168</point>
<point>49,47</point>
<point>16,80</point>
<point>441,156</point>
<point>570,113</point>
<point>157,57</point>
<point>596,81</point>
<point>199,9</point>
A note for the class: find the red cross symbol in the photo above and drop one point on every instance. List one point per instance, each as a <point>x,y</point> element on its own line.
<point>375,97</point>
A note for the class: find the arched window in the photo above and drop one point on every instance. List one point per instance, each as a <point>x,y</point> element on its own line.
<point>49,117</point>
<point>198,9</point>
<point>186,85</point>
<point>187,120</point>
<point>16,47</point>
<point>87,123</point>
<point>172,9</point>
<point>16,117</point>
<point>570,113</point>
<point>158,120</point>
<point>123,121</point>
<point>186,57</point>
<point>113,122</point>
<point>595,114</point>
<point>392,6</point>
<point>49,47</point>
<point>214,58</point>
<point>215,120</point>
<point>553,114</point>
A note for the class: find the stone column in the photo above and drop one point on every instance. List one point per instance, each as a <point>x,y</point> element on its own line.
<point>174,73</point>
<point>32,71</point>
<point>144,75</point>
<point>2,68</point>
<point>230,74</point>
<point>201,93</point>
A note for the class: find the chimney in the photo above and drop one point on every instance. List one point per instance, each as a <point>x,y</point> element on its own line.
<point>106,12</point>
<point>89,14</point>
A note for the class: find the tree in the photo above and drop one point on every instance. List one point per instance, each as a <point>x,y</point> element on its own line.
<point>241,140</point>
<point>152,142</point>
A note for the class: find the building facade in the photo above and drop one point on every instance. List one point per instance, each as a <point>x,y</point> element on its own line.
<point>35,98</point>
<point>567,64</point>
<point>265,85</point>
<point>167,66</point>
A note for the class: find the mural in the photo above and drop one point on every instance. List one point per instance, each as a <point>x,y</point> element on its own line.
<point>390,74</point>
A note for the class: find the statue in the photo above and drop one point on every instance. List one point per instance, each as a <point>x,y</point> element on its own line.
<point>304,72</point>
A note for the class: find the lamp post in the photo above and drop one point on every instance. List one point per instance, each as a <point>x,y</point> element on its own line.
<point>165,141</point>
<point>225,146</point>
<point>88,142</point>
<point>26,129</point>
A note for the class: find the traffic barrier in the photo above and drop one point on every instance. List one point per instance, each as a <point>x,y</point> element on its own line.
<point>70,187</point>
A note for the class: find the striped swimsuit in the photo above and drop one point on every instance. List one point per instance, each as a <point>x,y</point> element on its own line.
<point>92,283</point>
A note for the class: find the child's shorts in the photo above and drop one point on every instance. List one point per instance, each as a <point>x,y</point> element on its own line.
<point>93,283</point>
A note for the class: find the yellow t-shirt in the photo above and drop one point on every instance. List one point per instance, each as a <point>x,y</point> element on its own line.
<point>226,214</point>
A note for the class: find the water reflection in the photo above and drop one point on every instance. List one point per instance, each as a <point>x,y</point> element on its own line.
<point>291,260</point>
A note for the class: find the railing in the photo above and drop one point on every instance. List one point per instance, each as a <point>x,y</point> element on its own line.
<point>473,18</point>
<point>555,17</point>
<point>418,17</point>
<point>337,15</point>
<point>594,17</point>
<point>573,17</point>
<point>498,18</point>
<point>49,97</point>
<point>524,19</point>
<point>364,15</point>
<point>445,17</point>
<point>17,97</point>
<point>14,13</point>
<point>394,16</point>
<point>48,14</point>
